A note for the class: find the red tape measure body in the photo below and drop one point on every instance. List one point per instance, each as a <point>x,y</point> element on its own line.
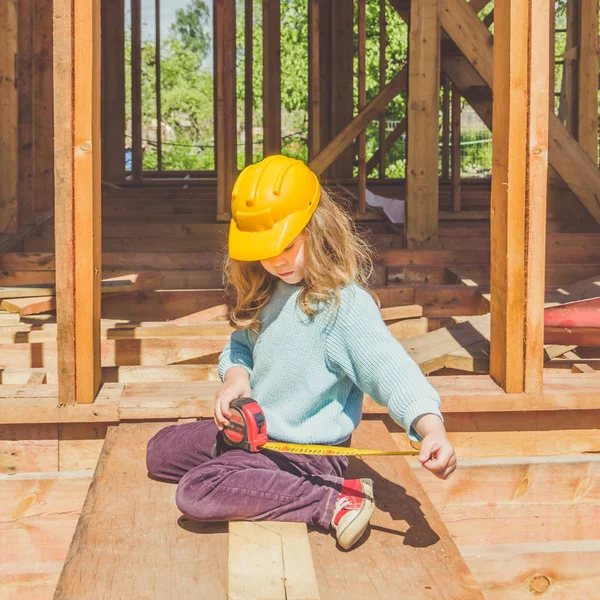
<point>247,427</point>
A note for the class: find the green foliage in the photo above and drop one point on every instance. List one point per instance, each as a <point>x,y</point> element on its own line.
<point>192,27</point>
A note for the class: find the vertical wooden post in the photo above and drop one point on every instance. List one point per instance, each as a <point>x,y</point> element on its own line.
<point>552,52</point>
<point>423,105</point>
<point>568,99</point>
<point>271,77</point>
<point>382,82</point>
<point>249,87</point>
<point>158,86</point>
<point>587,78</point>
<point>341,80</point>
<point>78,188</point>
<point>226,130</point>
<point>362,100</point>
<point>43,134</point>
<point>314,78</point>
<point>456,159</point>
<point>9,119</point>
<point>325,77</point>
<point>519,187</point>
<point>25,193</point>
<point>136,89</point>
<point>445,127</point>
<point>113,90</point>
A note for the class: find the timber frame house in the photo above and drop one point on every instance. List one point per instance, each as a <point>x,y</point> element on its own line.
<point>129,260</point>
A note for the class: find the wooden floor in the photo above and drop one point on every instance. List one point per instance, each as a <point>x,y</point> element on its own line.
<point>524,506</point>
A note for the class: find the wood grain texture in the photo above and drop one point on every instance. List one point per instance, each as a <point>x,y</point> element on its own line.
<point>9,140</point>
<point>123,495</point>
<point>421,226</point>
<point>406,538</point>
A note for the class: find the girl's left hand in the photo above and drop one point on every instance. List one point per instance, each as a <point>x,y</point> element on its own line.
<point>437,455</point>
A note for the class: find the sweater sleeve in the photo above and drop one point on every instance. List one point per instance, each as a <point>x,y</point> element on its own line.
<point>360,345</point>
<point>237,353</point>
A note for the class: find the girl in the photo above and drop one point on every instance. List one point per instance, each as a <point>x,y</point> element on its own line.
<point>309,341</point>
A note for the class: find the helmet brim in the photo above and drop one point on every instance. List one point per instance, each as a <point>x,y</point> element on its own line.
<point>252,246</point>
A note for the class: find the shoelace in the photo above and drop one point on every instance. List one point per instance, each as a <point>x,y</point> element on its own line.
<point>342,502</point>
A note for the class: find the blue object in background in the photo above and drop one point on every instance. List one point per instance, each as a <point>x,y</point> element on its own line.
<point>128,159</point>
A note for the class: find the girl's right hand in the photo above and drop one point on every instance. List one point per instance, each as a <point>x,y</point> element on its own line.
<point>237,385</point>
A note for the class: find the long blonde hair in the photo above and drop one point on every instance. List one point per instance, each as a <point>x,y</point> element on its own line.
<point>334,256</point>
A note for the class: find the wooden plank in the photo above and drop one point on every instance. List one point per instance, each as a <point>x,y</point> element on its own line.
<point>77,166</point>
<point>406,537</point>
<point>270,560</point>
<point>345,137</point>
<point>587,78</point>
<point>342,88</point>
<point>519,180</point>
<point>382,81</point>
<point>43,120</point>
<point>123,493</point>
<point>25,190</point>
<point>225,107</point>
<point>445,126</point>
<point>362,100</point>
<point>248,83</point>
<point>455,157</point>
<point>113,90</point>
<point>271,10</point>
<point>136,90</point>
<point>314,78</point>
<point>401,312</point>
<point>421,225</point>
<point>9,139</point>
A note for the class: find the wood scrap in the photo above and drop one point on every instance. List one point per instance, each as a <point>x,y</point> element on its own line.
<point>393,313</point>
<point>8,318</point>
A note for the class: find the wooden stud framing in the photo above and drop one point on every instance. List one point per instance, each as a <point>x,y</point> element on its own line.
<point>271,77</point>
<point>9,149</point>
<point>25,193</point>
<point>113,90</point>
<point>382,82</point>
<point>157,84</point>
<point>587,78</point>
<point>136,89</point>
<point>445,127</point>
<point>249,88</point>
<point>421,227</point>
<point>78,193</point>
<point>456,162</point>
<point>362,100</point>
<point>43,133</point>
<point>341,81</point>
<point>226,130</point>
<point>519,186</point>
<point>568,100</point>
<point>314,79</point>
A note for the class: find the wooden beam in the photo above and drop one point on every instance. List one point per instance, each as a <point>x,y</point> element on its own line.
<point>421,225</point>
<point>271,77</point>
<point>587,78</point>
<point>136,90</point>
<point>314,78</point>
<point>9,140</point>
<point>342,83</point>
<point>362,100</point>
<point>445,126</point>
<point>26,196</point>
<point>43,124</point>
<point>382,82</point>
<point>248,83</point>
<point>113,90</point>
<point>456,160</point>
<point>519,185</point>
<point>360,121</point>
<point>226,131</point>
<point>78,196</point>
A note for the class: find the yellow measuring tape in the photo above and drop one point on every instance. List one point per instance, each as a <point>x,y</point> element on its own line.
<point>317,450</point>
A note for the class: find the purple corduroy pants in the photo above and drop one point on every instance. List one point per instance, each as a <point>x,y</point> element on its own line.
<point>239,485</point>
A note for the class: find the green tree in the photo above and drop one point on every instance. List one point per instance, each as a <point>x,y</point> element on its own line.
<point>192,27</point>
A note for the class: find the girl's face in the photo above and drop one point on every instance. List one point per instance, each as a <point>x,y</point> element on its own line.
<point>289,265</point>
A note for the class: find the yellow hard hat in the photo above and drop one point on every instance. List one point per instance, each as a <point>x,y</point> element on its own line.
<point>271,203</point>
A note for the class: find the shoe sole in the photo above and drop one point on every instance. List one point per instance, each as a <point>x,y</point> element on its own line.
<point>349,535</point>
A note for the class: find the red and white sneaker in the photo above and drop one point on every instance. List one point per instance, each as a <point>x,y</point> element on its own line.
<point>353,510</point>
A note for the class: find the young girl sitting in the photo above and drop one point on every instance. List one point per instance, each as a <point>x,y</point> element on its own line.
<point>309,341</point>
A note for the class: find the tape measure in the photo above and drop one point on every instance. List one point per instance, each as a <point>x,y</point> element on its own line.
<point>247,429</point>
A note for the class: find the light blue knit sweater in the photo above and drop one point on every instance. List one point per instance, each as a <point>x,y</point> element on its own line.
<point>309,375</point>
